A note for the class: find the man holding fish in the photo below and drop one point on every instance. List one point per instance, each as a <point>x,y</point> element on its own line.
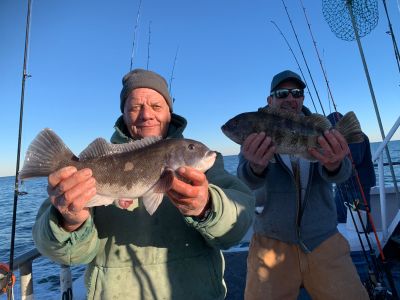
<point>291,157</point>
<point>142,248</point>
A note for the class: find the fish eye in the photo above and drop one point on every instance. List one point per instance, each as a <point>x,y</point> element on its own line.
<point>191,146</point>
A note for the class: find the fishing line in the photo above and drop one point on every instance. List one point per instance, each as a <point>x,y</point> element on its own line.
<point>302,53</point>
<point>334,104</point>
<point>347,27</point>
<point>383,259</point>
<point>384,262</point>
<point>375,273</point>
<point>350,20</point>
<point>319,58</point>
<point>355,191</point>
<point>148,47</point>
<point>16,190</point>
<point>297,62</point>
<point>172,73</point>
<point>349,7</point>
<point>134,35</point>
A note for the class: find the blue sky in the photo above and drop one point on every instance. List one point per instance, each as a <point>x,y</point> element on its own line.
<point>228,53</point>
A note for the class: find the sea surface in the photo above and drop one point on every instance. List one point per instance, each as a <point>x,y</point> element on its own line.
<point>46,273</point>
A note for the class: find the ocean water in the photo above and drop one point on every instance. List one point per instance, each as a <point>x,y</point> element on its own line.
<point>46,273</point>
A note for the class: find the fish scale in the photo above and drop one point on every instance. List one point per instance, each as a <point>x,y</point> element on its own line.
<point>142,169</point>
<point>291,133</point>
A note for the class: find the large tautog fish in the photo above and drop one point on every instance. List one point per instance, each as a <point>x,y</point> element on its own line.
<point>143,168</point>
<point>291,133</point>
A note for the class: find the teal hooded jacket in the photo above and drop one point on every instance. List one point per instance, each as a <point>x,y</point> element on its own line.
<point>132,255</point>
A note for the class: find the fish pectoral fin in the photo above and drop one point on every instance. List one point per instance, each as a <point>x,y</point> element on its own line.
<point>99,200</point>
<point>152,201</point>
<point>165,182</point>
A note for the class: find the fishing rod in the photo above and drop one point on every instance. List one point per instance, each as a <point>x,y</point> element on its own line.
<point>334,104</point>
<point>376,277</point>
<point>134,35</point>
<point>374,267</point>
<point>148,47</point>
<point>297,62</point>
<point>361,19</point>
<point>391,33</point>
<point>378,284</point>
<point>352,191</point>
<point>352,18</point>
<point>172,73</point>
<point>302,53</point>
<point>319,58</point>
<point>374,285</point>
<point>10,277</point>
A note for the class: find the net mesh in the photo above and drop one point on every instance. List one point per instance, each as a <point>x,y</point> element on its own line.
<point>338,17</point>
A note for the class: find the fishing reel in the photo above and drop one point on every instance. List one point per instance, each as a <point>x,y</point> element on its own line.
<point>6,282</point>
<point>377,290</point>
<point>381,293</point>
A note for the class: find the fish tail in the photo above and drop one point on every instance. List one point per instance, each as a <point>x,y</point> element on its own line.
<point>45,154</point>
<point>350,128</point>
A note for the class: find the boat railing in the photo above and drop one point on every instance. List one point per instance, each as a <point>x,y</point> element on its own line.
<point>24,265</point>
<point>378,156</point>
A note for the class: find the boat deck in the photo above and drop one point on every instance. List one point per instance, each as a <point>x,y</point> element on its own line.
<point>235,273</point>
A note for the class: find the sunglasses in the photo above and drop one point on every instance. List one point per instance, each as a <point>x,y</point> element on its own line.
<point>283,93</point>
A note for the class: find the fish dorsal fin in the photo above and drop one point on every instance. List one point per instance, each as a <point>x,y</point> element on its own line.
<point>319,121</point>
<point>350,128</point>
<point>286,114</point>
<point>100,147</point>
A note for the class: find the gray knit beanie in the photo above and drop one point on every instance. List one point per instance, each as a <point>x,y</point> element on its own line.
<point>140,78</point>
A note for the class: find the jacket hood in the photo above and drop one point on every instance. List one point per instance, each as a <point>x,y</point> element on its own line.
<point>175,129</point>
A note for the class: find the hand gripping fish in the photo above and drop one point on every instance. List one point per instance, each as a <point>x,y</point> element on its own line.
<point>143,168</point>
<point>291,133</point>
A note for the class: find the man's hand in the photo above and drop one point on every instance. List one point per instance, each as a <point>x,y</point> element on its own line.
<point>69,191</point>
<point>258,149</point>
<point>334,150</point>
<point>190,196</point>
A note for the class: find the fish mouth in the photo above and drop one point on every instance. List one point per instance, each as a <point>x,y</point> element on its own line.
<point>208,161</point>
<point>230,135</point>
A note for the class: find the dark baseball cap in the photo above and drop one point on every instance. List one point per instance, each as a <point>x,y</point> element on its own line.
<point>286,76</point>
